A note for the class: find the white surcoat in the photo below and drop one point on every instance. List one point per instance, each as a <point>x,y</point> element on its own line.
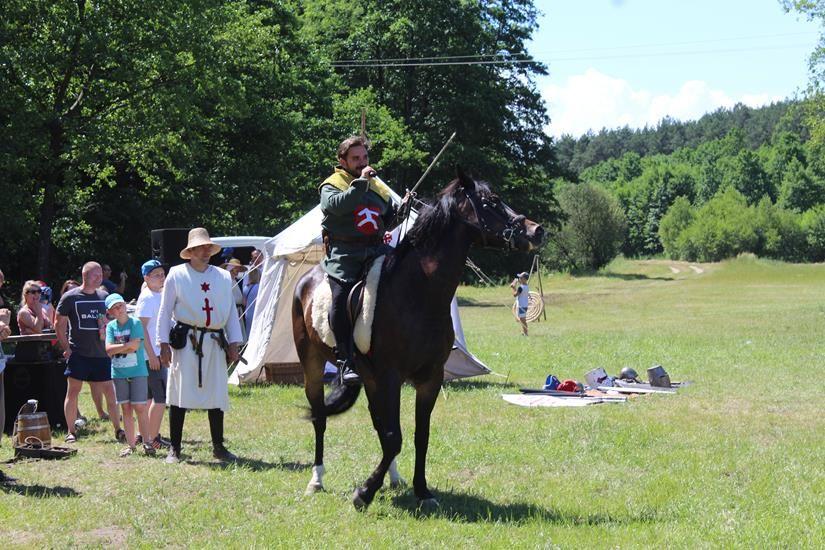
<point>200,300</point>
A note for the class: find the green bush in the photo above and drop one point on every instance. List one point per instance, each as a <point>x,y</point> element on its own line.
<point>673,224</point>
<point>723,228</point>
<point>592,232</point>
<point>813,223</point>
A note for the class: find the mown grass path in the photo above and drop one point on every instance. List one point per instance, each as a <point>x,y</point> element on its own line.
<point>734,460</point>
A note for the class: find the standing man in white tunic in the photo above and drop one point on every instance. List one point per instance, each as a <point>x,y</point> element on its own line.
<point>197,305</point>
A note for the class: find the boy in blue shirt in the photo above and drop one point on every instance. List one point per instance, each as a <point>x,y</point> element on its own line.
<point>124,344</point>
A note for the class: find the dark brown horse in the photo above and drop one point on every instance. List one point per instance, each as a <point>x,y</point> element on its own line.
<point>412,330</point>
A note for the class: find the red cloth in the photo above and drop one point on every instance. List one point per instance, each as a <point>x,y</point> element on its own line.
<point>568,385</point>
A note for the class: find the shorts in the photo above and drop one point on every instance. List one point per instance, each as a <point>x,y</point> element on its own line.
<point>522,312</point>
<point>157,384</point>
<point>89,369</point>
<point>132,390</point>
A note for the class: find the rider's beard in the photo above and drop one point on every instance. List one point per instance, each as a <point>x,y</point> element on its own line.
<point>354,171</point>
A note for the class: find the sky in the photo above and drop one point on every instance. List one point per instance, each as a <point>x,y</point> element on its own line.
<point>632,62</point>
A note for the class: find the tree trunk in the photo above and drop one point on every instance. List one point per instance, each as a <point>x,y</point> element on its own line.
<point>45,230</point>
<point>47,208</point>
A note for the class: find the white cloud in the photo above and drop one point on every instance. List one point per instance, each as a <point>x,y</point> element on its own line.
<point>593,100</point>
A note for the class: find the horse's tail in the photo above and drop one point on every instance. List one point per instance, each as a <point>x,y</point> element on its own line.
<point>341,399</point>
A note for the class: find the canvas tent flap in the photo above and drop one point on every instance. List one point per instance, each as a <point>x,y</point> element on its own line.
<point>287,256</point>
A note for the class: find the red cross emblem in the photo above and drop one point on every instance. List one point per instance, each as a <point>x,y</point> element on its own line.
<point>367,219</point>
<point>205,287</point>
<point>387,237</point>
<point>208,309</point>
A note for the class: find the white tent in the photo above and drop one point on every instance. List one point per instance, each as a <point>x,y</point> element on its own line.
<point>287,256</point>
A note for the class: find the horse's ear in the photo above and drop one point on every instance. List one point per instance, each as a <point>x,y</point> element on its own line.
<point>466,181</point>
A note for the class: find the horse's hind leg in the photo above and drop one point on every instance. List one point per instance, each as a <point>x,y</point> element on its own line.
<point>314,388</point>
<point>425,397</point>
<point>385,403</point>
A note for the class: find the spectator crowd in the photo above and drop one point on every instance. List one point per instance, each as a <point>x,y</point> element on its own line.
<point>112,344</point>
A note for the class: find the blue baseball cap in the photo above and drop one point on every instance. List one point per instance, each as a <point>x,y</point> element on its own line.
<point>114,299</point>
<point>149,266</point>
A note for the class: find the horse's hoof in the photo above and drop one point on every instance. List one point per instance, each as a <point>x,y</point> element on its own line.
<point>314,487</point>
<point>399,483</point>
<point>428,504</point>
<point>359,500</point>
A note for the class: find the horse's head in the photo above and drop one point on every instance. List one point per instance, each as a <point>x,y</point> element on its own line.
<point>498,225</point>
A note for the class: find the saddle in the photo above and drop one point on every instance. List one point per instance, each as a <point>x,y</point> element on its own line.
<point>360,307</point>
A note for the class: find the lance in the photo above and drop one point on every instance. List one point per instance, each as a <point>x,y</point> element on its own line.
<point>430,167</point>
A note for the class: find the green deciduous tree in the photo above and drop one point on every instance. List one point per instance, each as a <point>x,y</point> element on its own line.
<point>593,228</point>
<point>799,191</point>
<point>171,110</point>
<point>496,110</point>
<point>677,219</point>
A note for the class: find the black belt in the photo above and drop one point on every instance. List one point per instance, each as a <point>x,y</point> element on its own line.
<point>367,240</point>
<point>197,345</point>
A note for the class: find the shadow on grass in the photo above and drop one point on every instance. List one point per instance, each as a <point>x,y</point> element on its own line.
<point>469,302</point>
<point>254,465</point>
<point>632,277</point>
<point>38,491</point>
<point>472,385</point>
<point>464,507</point>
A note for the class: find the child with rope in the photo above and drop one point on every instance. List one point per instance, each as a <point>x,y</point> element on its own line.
<point>522,293</point>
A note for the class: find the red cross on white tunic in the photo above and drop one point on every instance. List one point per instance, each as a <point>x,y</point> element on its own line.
<point>206,307</point>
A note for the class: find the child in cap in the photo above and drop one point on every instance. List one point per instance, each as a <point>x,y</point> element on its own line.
<point>522,293</point>
<point>147,308</point>
<point>124,344</point>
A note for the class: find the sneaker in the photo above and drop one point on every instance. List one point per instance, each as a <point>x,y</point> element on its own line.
<point>127,451</point>
<point>120,435</point>
<point>71,437</point>
<point>104,417</point>
<point>139,439</point>
<point>173,457</point>
<point>346,374</point>
<point>6,478</point>
<point>222,454</point>
<point>159,442</point>
<point>148,449</point>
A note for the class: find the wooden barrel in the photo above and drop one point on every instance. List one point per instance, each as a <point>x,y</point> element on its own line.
<point>31,427</point>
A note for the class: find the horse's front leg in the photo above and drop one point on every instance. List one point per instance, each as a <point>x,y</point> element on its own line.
<point>425,398</point>
<point>314,389</point>
<point>396,481</point>
<point>385,404</point>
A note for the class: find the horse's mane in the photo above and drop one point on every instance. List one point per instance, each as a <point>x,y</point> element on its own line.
<point>433,219</point>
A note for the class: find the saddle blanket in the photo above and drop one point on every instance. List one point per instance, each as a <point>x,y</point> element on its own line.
<point>322,299</point>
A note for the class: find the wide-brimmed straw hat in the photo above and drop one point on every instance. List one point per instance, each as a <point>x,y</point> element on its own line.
<point>199,237</point>
<point>234,262</point>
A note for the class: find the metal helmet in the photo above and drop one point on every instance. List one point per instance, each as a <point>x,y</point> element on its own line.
<point>630,374</point>
<point>658,376</point>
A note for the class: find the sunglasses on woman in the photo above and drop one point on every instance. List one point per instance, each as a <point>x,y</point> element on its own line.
<point>33,291</point>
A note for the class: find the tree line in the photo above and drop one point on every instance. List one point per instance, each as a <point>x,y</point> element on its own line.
<point>119,118</point>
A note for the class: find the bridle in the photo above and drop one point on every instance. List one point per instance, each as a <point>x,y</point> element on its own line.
<point>513,225</point>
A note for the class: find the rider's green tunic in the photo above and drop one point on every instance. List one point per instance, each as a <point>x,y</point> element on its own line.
<point>354,209</point>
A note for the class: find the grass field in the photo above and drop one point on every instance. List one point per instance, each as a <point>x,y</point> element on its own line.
<point>735,460</point>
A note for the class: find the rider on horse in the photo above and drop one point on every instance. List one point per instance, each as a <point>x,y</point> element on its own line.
<point>358,210</point>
